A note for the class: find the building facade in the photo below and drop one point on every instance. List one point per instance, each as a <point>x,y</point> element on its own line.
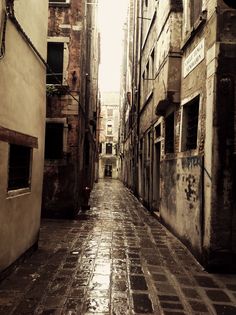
<point>72,106</point>
<point>183,155</point>
<point>109,127</point>
<point>23,32</point>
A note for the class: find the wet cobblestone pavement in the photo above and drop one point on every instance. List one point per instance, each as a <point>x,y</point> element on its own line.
<point>115,259</point>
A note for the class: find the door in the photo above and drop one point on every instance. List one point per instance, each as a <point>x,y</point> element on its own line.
<point>156,177</point>
<point>108,170</point>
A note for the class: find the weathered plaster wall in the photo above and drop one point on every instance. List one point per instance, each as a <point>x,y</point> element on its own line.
<point>190,218</point>
<point>181,199</point>
<point>22,94</point>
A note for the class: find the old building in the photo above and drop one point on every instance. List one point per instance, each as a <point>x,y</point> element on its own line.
<point>72,105</point>
<point>109,126</point>
<point>129,100</point>
<point>182,159</point>
<point>23,34</point>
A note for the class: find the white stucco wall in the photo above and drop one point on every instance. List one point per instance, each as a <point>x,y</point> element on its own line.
<point>22,95</point>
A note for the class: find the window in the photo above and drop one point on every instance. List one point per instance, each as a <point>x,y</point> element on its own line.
<point>58,1</point>
<point>141,145</point>
<point>190,125</point>
<point>192,15</point>
<point>148,71</point>
<point>109,112</point>
<point>158,131</point>
<point>54,140</point>
<point>153,64</point>
<point>109,139</point>
<point>19,167</point>
<point>169,133</point>
<point>55,61</point>
<point>109,129</point>
<point>108,148</point>
<point>196,10</point>
<point>149,145</point>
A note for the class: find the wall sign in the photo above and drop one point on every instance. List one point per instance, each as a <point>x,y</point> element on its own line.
<point>194,58</point>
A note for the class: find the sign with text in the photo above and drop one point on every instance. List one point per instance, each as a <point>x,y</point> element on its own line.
<point>194,58</point>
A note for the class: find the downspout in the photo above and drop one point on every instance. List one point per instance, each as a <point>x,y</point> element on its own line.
<point>134,184</point>
<point>139,36</point>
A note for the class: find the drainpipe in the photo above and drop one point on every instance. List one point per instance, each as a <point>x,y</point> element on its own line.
<point>139,35</point>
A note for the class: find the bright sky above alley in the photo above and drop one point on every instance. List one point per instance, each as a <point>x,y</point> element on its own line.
<point>112,14</point>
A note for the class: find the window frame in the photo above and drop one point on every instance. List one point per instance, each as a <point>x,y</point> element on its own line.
<point>109,129</point>
<point>13,191</point>
<point>170,133</point>
<point>110,145</point>
<point>189,23</point>
<point>109,112</point>
<point>65,3</point>
<point>65,41</point>
<point>62,121</point>
<point>184,123</point>
<point>10,136</point>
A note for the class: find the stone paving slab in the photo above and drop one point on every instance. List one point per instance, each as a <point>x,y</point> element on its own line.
<point>114,259</point>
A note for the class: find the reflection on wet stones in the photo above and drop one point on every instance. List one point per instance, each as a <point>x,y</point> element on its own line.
<point>98,305</point>
<point>142,303</point>
<point>115,259</point>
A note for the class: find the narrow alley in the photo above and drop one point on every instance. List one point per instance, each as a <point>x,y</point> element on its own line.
<point>115,258</point>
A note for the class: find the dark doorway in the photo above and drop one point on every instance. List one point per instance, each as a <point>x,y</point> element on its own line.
<point>108,170</point>
<point>156,177</point>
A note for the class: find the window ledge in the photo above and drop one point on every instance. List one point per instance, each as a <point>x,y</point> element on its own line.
<point>59,4</point>
<point>18,192</point>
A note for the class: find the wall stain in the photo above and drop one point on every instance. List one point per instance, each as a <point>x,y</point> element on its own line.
<point>190,190</point>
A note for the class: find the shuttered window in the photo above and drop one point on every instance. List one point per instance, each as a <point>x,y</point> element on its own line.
<point>55,62</point>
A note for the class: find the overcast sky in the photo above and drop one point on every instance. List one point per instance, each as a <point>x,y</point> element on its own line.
<point>112,14</point>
